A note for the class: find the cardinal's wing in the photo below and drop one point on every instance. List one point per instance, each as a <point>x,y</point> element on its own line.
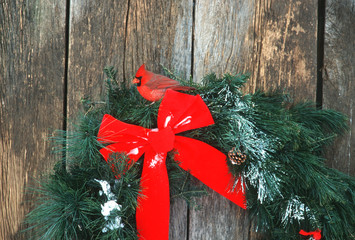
<point>161,82</point>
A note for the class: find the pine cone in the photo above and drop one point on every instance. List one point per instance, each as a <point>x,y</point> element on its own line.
<point>236,156</point>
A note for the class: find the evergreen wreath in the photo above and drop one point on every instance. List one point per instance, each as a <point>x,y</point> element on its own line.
<point>276,145</point>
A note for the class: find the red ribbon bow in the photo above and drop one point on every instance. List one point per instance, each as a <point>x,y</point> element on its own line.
<point>178,112</point>
<point>316,235</point>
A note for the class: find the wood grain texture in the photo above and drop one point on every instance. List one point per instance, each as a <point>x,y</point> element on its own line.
<point>284,47</point>
<point>222,37</point>
<point>178,219</point>
<point>339,75</point>
<point>218,218</point>
<point>159,33</point>
<point>32,50</point>
<point>96,40</point>
<point>273,40</point>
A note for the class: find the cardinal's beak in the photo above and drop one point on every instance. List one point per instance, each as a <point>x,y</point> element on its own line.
<point>135,80</point>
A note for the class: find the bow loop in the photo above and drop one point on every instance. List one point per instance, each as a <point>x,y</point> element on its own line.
<point>114,131</point>
<point>183,112</point>
<point>123,137</point>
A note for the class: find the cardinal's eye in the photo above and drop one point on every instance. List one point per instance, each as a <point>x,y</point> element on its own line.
<point>140,78</point>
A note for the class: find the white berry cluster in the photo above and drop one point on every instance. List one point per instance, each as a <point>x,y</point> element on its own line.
<point>112,222</point>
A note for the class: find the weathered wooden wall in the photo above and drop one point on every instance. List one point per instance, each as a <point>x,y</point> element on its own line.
<point>32,50</point>
<point>275,41</point>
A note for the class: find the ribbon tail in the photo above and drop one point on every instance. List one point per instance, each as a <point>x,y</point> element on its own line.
<point>209,166</point>
<point>153,209</point>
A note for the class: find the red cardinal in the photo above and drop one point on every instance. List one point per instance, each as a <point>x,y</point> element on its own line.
<point>153,86</point>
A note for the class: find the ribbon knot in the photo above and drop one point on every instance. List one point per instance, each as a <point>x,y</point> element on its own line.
<point>161,140</point>
<point>178,112</point>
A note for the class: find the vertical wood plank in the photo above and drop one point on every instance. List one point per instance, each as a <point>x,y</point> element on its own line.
<point>32,49</point>
<point>221,34</point>
<point>126,34</point>
<point>285,47</point>
<point>276,43</point>
<point>159,33</point>
<point>339,75</point>
<point>223,37</point>
<point>217,218</point>
<point>96,40</point>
